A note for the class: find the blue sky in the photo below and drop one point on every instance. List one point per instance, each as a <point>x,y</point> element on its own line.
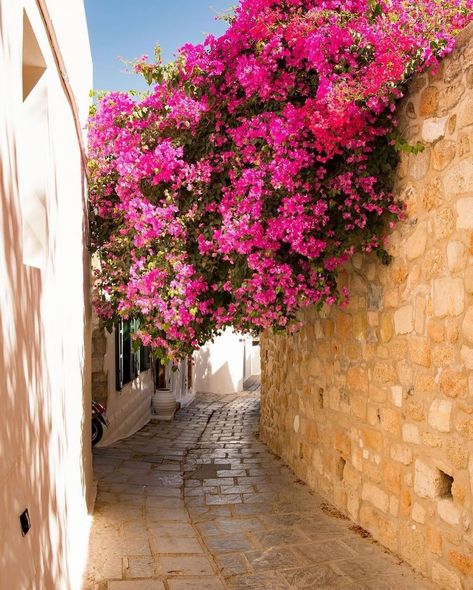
<point>131,28</point>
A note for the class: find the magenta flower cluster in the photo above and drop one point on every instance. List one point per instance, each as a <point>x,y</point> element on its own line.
<point>258,164</point>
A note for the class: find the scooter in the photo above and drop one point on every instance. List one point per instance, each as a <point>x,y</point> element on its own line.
<point>99,420</point>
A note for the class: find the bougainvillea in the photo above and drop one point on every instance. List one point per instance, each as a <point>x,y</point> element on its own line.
<point>258,164</point>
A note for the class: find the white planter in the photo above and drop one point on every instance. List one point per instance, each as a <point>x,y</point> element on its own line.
<point>163,403</point>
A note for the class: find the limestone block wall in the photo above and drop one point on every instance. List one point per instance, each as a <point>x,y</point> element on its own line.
<point>372,404</point>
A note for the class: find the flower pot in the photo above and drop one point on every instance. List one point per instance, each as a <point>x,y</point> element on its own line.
<point>163,403</point>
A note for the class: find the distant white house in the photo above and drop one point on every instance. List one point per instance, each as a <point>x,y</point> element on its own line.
<point>226,364</point>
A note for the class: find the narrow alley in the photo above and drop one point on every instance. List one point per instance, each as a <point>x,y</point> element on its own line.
<point>201,504</point>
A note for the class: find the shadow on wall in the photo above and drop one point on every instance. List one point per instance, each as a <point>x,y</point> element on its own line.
<point>32,437</point>
<point>210,380</point>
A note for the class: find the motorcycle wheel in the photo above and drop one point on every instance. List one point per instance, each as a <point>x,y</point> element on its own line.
<point>97,431</point>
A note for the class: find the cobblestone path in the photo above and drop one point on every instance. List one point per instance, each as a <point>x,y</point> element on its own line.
<point>201,504</point>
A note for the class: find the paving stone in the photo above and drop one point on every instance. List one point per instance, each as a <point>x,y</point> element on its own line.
<point>291,506</point>
<point>222,544</point>
<point>278,537</point>
<point>169,467</point>
<point>136,585</point>
<point>136,545</point>
<point>196,500</point>
<point>222,481</point>
<point>233,473</point>
<point>186,565</point>
<point>166,492</point>
<point>251,480</point>
<point>209,470</point>
<point>237,489</point>
<point>258,582</point>
<point>222,499</point>
<point>203,513</point>
<point>231,564</point>
<point>315,577</point>
<point>107,566</point>
<point>362,547</point>
<point>321,552</point>
<point>130,499</point>
<point>251,509</point>
<point>167,514</point>
<point>119,512</point>
<point>257,498</point>
<point>285,520</point>
<point>173,529</point>
<point>363,569</point>
<point>272,559</point>
<point>139,567</point>
<point>323,529</point>
<point>197,584</point>
<point>389,583</point>
<point>239,525</point>
<point>178,545</point>
<point>158,502</point>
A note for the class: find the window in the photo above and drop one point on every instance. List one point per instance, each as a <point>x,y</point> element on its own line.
<point>130,359</point>
<point>33,63</point>
<point>189,373</point>
<point>145,361</point>
<point>34,151</point>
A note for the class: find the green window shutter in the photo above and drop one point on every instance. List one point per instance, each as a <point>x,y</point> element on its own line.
<point>127,356</point>
<point>119,356</point>
<point>135,352</point>
<point>144,358</point>
<point>129,359</point>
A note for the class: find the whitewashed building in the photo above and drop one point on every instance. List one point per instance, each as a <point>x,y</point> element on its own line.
<point>122,381</point>
<point>227,364</point>
<point>45,457</point>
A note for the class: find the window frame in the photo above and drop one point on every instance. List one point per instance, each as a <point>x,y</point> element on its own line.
<point>130,361</point>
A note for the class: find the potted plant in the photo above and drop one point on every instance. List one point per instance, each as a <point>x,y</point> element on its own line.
<point>163,401</point>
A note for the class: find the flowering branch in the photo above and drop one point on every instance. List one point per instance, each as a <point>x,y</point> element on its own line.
<point>258,164</point>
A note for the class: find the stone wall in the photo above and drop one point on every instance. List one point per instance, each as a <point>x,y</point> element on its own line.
<point>372,404</point>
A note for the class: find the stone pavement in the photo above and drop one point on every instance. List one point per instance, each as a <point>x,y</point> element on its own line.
<point>201,504</point>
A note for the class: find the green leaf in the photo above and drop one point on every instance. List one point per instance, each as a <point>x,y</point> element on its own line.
<point>376,8</point>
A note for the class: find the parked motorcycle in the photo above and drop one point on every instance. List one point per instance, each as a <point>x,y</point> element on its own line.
<point>99,421</point>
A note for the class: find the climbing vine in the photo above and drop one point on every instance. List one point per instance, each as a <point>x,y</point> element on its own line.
<point>256,166</point>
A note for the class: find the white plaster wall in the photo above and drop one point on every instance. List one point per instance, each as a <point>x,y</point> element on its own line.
<point>252,357</point>
<point>219,365</point>
<point>130,408</point>
<point>45,459</point>
<point>67,14</point>
<point>178,382</point>
<point>255,359</point>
